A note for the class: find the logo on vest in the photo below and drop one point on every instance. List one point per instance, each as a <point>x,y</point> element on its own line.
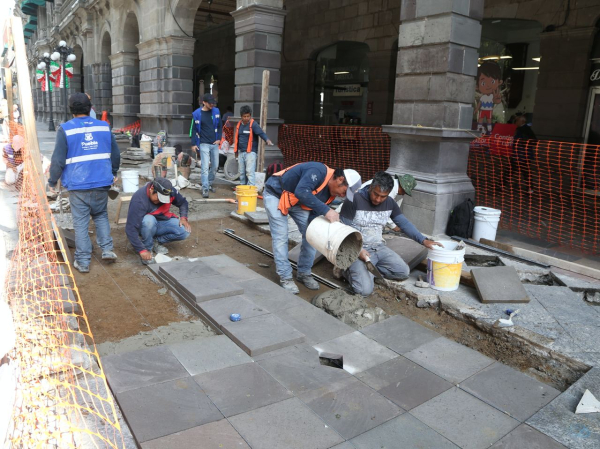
<point>90,143</point>
<point>88,137</point>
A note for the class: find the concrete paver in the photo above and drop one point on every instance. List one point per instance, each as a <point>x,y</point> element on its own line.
<point>288,424</point>
<point>241,388</point>
<point>527,437</point>
<point>399,333</point>
<point>180,270</point>
<point>404,382</point>
<point>499,284</point>
<point>269,295</point>
<point>464,419</point>
<point>411,252</point>
<point>449,360</point>
<point>219,310</point>
<point>294,255</point>
<point>207,288</point>
<point>344,445</point>
<point>214,435</point>
<point>228,267</point>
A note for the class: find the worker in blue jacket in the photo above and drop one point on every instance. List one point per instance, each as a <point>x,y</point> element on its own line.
<point>86,158</point>
<point>205,133</point>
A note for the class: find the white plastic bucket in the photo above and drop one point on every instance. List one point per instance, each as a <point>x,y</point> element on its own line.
<point>131,179</point>
<point>444,266</point>
<point>486,223</point>
<point>339,243</point>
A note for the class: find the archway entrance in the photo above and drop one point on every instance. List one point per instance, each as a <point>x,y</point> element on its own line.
<point>103,79</point>
<point>126,75</point>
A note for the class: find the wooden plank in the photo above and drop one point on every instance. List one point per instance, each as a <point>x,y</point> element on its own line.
<point>122,199</point>
<point>264,107</point>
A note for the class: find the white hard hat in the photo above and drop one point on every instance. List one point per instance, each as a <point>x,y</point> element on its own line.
<point>354,182</point>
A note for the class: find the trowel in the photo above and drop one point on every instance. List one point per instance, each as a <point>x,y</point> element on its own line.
<point>373,269</point>
<point>588,404</point>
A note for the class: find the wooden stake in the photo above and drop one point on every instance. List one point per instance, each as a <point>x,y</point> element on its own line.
<point>264,106</point>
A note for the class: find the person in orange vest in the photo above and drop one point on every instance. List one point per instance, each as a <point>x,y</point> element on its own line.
<point>245,139</point>
<point>303,191</point>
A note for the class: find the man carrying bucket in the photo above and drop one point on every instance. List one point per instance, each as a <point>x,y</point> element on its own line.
<point>368,212</point>
<point>303,191</point>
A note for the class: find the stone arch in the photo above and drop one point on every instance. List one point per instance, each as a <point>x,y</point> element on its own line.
<point>103,100</point>
<point>180,17</point>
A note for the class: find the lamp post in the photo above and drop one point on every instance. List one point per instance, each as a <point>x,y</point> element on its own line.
<point>63,53</point>
<point>44,65</point>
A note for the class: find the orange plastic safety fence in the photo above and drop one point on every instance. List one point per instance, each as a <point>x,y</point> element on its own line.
<point>365,149</point>
<point>546,190</point>
<point>62,398</point>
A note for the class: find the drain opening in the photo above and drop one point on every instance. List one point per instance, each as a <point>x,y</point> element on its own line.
<point>333,360</point>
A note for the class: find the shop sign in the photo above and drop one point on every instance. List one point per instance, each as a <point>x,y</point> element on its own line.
<point>595,74</point>
<point>347,90</point>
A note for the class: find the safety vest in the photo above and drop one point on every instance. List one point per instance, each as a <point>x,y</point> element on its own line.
<point>88,164</point>
<point>288,199</point>
<point>237,136</point>
<point>196,125</point>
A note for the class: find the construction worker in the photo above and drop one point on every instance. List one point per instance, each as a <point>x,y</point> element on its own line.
<point>246,137</point>
<point>303,191</point>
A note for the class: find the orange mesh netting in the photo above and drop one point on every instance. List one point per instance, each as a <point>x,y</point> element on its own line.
<point>546,190</point>
<point>62,398</point>
<point>365,149</point>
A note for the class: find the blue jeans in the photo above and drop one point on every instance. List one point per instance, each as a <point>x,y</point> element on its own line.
<point>86,204</point>
<point>247,167</point>
<point>163,231</point>
<point>209,157</point>
<point>279,233</point>
<point>389,264</point>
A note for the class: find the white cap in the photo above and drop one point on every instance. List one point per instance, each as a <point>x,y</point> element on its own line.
<point>354,182</point>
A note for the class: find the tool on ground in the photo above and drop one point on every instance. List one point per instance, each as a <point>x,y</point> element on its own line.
<point>588,404</point>
<point>215,200</point>
<point>373,269</point>
<point>421,283</point>
<point>235,317</point>
<point>506,323</point>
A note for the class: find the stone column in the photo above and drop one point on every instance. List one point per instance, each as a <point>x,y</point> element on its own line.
<point>125,88</point>
<point>437,63</point>
<point>258,30</point>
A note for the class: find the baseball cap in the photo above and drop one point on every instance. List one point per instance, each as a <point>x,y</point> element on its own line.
<point>163,188</point>
<point>209,99</point>
<point>78,100</point>
<point>408,183</point>
<point>354,182</point>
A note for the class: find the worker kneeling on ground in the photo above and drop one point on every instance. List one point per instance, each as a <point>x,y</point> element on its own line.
<point>368,212</point>
<point>303,191</point>
<point>150,223</point>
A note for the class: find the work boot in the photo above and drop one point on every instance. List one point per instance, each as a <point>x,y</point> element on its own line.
<point>289,285</point>
<point>308,281</point>
<point>81,268</point>
<point>204,193</point>
<point>160,249</point>
<point>109,255</point>
<point>338,273</point>
<point>212,189</point>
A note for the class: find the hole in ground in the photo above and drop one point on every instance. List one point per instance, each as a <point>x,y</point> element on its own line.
<point>477,260</point>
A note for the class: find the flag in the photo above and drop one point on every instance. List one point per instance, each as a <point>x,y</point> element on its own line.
<point>40,75</point>
<point>54,73</point>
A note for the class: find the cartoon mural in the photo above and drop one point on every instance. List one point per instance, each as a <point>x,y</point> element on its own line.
<point>489,80</point>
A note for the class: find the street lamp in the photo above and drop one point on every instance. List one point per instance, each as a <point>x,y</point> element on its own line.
<point>44,65</point>
<point>64,53</point>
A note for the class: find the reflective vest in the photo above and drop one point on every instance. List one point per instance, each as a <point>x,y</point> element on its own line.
<point>88,164</point>
<point>288,199</point>
<point>196,125</point>
<point>237,136</point>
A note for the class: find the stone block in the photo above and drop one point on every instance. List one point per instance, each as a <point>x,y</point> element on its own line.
<point>411,252</point>
<point>526,436</point>
<point>499,284</point>
<point>430,8</point>
<point>257,217</point>
<point>269,295</point>
<point>451,87</point>
<point>399,334</point>
<point>262,334</point>
<point>294,255</point>
<point>219,310</point>
<point>216,434</point>
<point>211,287</point>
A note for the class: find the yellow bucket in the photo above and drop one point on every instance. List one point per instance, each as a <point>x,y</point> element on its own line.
<point>246,198</point>
<point>444,266</point>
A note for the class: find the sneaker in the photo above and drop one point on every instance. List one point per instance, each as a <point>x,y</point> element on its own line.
<point>204,193</point>
<point>308,281</point>
<point>160,249</point>
<point>109,255</point>
<point>338,273</point>
<point>289,285</point>
<point>212,189</point>
<point>81,268</point>
<point>148,262</point>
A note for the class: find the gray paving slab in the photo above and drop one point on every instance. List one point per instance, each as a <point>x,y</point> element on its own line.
<point>262,333</point>
<point>219,310</point>
<point>559,421</point>
<point>257,217</point>
<point>411,252</point>
<point>288,424</point>
<point>317,325</point>
<point>399,333</point>
<point>208,354</point>
<point>509,390</point>
<point>184,269</point>
<point>449,360</point>
<point>350,407</point>
<point>577,283</point>
<point>360,352</point>
<point>231,268</point>
<point>404,431</point>
<point>344,445</point>
<point>299,370</point>
<point>269,295</point>
<point>294,255</point>
<point>214,435</point>
<point>404,382</point>
<point>207,288</point>
<point>141,368</point>
<point>527,437</point>
<point>464,419</point>
<point>162,409</point>
<point>499,284</point>
<point>241,388</point>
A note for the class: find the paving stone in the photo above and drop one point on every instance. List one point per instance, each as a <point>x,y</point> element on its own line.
<point>509,390</point>
<point>207,288</point>
<point>257,217</point>
<point>162,409</point>
<point>269,295</point>
<point>411,252</point>
<point>215,435</point>
<point>209,354</point>
<point>241,388</point>
<point>559,421</point>
<point>404,431</point>
<point>231,268</point>
<point>350,407</point>
<point>449,360</point>
<point>464,419</point>
<point>184,269</point>
<point>399,333</point>
<point>141,368</point>
<point>262,334</point>
<point>403,382</point>
<point>288,424</point>
<point>299,370</point>
<point>219,310</point>
<point>344,445</point>
<point>360,352</point>
<point>294,255</point>
<point>499,284</point>
<point>317,325</point>
<point>527,437</point>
